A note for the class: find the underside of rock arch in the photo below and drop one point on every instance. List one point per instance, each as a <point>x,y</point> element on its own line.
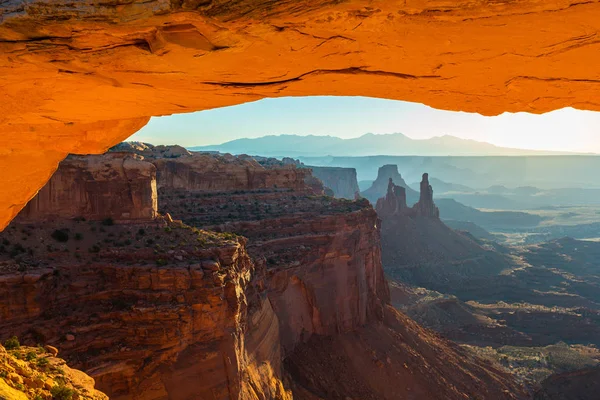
<point>78,77</point>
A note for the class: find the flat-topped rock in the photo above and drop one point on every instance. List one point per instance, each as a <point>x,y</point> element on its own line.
<point>119,186</point>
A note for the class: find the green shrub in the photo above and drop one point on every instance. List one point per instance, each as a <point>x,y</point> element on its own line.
<point>31,355</point>
<point>78,236</point>
<point>108,222</point>
<point>12,343</point>
<point>60,235</point>
<point>42,362</point>
<point>61,392</point>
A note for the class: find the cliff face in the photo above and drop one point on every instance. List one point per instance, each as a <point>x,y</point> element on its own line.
<point>322,254</point>
<point>325,271</point>
<point>178,168</point>
<point>341,180</point>
<point>380,186</point>
<point>158,309</point>
<point>394,360</point>
<point>143,321</point>
<point>208,173</point>
<point>116,185</point>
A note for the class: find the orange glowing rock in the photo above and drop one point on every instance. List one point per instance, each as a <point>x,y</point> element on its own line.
<point>80,77</point>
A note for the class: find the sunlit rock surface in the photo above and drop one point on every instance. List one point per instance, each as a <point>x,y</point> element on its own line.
<point>120,186</point>
<point>80,77</point>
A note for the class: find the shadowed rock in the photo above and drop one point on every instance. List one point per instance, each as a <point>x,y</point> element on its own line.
<point>426,207</point>
<point>381,184</point>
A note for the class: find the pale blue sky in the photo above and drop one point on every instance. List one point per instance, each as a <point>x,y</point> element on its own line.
<point>347,117</point>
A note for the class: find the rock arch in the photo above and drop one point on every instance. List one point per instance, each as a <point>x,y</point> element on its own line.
<point>78,77</point>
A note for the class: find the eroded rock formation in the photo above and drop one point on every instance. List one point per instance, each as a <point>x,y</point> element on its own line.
<point>95,72</point>
<point>178,168</point>
<point>341,180</point>
<point>120,186</point>
<point>380,186</point>
<point>394,202</point>
<point>142,316</point>
<point>425,207</point>
<point>159,309</point>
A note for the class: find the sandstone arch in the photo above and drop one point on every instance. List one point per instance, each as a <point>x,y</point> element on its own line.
<point>78,77</point>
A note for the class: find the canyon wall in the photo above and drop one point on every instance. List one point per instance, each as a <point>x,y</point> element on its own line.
<point>210,173</point>
<point>322,254</point>
<point>325,271</point>
<point>178,168</point>
<point>120,186</point>
<point>341,180</point>
<point>145,322</point>
<point>163,309</point>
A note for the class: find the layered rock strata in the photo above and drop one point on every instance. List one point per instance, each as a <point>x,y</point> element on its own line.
<point>120,186</point>
<point>178,168</point>
<point>96,72</point>
<point>143,316</point>
<point>163,310</point>
<point>145,306</point>
<point>322,254</point>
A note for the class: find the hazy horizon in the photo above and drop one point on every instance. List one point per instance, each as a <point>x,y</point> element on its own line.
<point>565,130</point>
<point>555,152</point>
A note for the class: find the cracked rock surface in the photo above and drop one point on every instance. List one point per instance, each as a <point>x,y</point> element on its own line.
<point>78,77</point>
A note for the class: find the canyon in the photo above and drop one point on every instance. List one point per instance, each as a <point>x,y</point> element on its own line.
<point>531,307</point>
<point>145,306</point>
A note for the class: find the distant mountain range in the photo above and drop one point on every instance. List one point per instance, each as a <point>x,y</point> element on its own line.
<point>369,144</point>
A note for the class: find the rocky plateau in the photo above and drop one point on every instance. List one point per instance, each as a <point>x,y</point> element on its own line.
<point>261,290</point>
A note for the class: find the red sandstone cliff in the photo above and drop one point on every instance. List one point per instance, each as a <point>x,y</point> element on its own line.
<point>178,168</point>
<point>116,185</point>
<point>164,310</point>
<point>147,322</point>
